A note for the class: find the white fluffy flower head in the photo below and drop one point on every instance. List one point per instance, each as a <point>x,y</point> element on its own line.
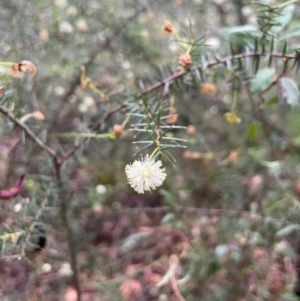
<point>145,174</point>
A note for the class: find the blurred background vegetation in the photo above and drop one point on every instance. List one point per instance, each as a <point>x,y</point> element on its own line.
<point>224,225</point>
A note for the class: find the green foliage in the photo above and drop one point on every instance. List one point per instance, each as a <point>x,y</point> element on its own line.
<point>240,35</point>
<point>262,80</point>
<point>291,33</point>
<point>252,130</point>
<point>290,91</point>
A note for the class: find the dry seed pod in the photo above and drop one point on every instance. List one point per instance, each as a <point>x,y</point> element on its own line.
<point>14,69</point>
<point>27,66</point>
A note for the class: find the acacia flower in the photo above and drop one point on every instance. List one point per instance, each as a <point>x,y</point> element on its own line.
<point>145,174</point>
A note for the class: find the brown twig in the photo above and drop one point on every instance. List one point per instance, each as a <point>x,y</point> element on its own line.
<point>222,61</point>
<point>27,131</point>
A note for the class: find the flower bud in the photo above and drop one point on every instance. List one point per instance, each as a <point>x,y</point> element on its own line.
<point>44,35</point>
<point>168,27</point>
<point>173,118</point>
<point>38,115</point>
<point>14,69</point>
<point>196,156</point>
<point>207,88</point>
<point>187,154</point>
<point>85,84</point>
<point>27,66</point>
<point>191,129</point>
<point>185,60</point>
<point>118,130</point>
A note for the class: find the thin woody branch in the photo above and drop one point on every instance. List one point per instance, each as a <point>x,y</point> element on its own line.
<point>5,111</point>
<point>222,61</point>
<point>63,198</point>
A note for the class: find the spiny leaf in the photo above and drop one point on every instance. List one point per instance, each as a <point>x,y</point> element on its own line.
<point>283,18</point>
<point>172,146</point>
<point>263,46</point>
<point>298,66</point>
<point>256,63</point>
<point>256,44</point>
<point>284,48</point>
<point>271,50</point>
<point>144,147</point>
<point>175,139</point>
